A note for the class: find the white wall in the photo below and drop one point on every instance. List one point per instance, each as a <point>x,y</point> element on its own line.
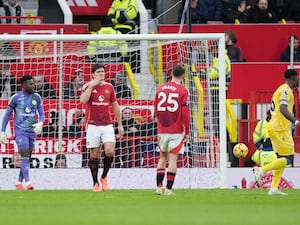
<point>142,178</point>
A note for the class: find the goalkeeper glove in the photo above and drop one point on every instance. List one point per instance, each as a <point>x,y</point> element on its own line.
<point>38,128</point>
<point>3,138</point>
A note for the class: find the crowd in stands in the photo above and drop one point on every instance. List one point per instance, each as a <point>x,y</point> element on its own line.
<point>11,8</point>
<point>125,145</point>
<point>243,11</point>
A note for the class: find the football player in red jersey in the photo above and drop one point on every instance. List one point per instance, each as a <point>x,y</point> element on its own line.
<point>98,96</point>
<point>173,124</point>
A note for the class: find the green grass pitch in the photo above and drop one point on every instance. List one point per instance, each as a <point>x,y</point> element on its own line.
<point>142,207</point>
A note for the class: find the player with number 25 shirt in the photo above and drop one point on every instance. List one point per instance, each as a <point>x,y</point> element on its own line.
<point>173,125</point>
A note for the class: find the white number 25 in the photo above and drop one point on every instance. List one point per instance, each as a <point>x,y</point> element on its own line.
<point>171,99</point>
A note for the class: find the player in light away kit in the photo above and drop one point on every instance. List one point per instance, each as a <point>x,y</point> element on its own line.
<point>98,96</point>
<point>25,104</point>
<point>173,126</point>
<point>279,129</point>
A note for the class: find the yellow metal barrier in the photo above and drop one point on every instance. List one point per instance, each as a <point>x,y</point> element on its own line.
<point>198,114</point>
<point>160,64</point>
<point>151,62</point>
<point>197,109</point>
<point>158,75</point>
<point>231,119</point>
<point>132,81</point>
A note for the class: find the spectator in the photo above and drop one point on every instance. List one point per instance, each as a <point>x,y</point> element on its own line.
<point>52,128</point>
<point>150,128</point>
<point>12,8</point>
<point>234,52</point>
<point>204,10</point>
<point>199,53</point>
<point>195,16</point>
<point>16,160</point>
<point>120,86</point>
<point>260,13</point>
<point>235,10</point>
<point>8,83</point>
<point>281,8</point>
<point>251,3</point>
<point>7,52</point>
<point>131,127</point>
<point>285,55</point>
<point>295,11</point>
<point>61,161</point>
<point>264,153</point>
<point>77,128</point>
<point>73,88</point>
<point>124,15</point>
<point>107,49</point>
<point>43,88</point>
<point>124,146</point>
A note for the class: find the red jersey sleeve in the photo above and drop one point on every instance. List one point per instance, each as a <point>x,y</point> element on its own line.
<point>185,110</point>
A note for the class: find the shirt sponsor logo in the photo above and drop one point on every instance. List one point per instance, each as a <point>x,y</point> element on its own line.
<point>101,98</point>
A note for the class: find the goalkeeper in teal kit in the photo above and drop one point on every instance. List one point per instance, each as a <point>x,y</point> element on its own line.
<point>25,104</point>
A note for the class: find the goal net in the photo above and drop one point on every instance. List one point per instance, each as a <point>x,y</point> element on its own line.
<point>135,65</point>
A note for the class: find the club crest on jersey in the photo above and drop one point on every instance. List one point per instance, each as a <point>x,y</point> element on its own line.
<point>27,110</point>
<point>33,102</point>
<point>101,98</point>
<point>106,91</point>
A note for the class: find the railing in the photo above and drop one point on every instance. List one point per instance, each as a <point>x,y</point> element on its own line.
<point>22,19</point>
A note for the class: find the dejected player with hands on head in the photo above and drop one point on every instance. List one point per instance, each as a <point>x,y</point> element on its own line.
<point>25,105</point>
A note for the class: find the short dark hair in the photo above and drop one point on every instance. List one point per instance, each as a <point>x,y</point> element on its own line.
<point>25,78</point>
<point>231,35</point>
<point>97,66</point>
<point>290,73</point>
<point>295,38</point>
<point>178,71</point>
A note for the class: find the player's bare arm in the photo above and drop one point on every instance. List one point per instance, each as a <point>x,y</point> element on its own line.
<point>116,109</point>
<point>284,110</point>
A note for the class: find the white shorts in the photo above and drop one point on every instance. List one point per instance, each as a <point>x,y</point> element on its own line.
<point>97,134</point>
<point>170,142</point>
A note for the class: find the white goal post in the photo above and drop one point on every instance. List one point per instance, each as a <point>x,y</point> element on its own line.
<point>147,63</point>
